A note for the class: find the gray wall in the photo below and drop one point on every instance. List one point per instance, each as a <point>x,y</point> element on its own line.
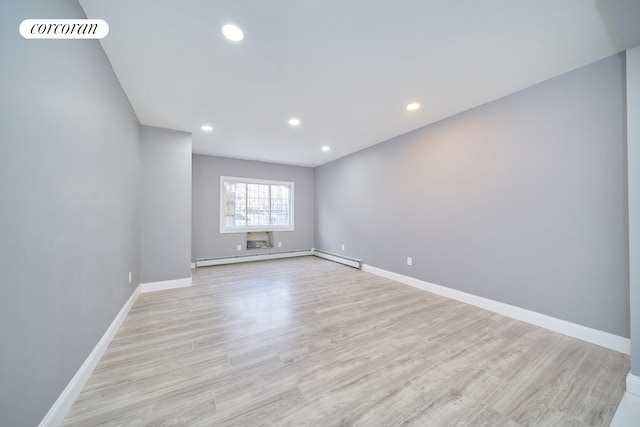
<point>207,242</point>
<point>165,205</point>
<point>633,159</point>
<point>69,164</point>
<point>522,200</point>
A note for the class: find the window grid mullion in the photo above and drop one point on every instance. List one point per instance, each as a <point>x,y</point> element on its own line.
<point>269,201</point>
<point>257,196</point>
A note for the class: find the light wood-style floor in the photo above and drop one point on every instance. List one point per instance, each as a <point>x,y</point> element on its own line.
<point>306,341</point>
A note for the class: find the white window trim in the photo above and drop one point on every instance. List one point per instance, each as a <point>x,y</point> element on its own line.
<point>224,229</point>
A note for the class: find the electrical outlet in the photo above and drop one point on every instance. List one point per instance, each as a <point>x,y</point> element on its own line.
<point>130,277</point>
<point>279,244</point>
<point>343,246</point>
<point>409,261</point>
<point>239,247</point>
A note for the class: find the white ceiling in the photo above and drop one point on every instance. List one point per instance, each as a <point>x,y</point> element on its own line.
<point>345,68</point>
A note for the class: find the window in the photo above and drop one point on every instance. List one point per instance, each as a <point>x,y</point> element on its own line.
<point>254,204</point>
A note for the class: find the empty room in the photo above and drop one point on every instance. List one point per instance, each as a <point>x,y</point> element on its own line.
<point>357,213</point>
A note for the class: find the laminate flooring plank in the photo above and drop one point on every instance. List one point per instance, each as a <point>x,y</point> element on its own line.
<point>389,407</point>
<point>553,417</point>
<point>450,408</point>
<point>598,381</point>
<point>159,397</point>
<point>305,341</point>
<point>529,394</point>
<point>256,412</point>
<point>487,417</point>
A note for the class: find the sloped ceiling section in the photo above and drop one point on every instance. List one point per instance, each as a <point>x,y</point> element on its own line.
<point>345,69</point>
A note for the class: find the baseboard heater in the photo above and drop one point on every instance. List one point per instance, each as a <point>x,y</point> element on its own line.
<point>205,262</point>
<point>351,262</point>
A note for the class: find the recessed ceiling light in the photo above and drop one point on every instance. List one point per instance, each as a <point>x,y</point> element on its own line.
<point>294,122</point>
<point>232,32</point>
<point>326,148</point>
<point>206,128</point>
<point>413,106</point>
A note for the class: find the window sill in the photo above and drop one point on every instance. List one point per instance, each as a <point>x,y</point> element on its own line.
<point>252,229</point>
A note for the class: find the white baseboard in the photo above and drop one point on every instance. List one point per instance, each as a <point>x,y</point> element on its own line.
<point>584,333</point>
<point>193,265</point>
<point>248,258</point>
<point>628,411</point>
<point>59,410</point>
<point>165,284</point>
<point>633,384</point>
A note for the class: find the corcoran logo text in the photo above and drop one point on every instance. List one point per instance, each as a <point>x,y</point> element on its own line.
<point>64,29</point>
